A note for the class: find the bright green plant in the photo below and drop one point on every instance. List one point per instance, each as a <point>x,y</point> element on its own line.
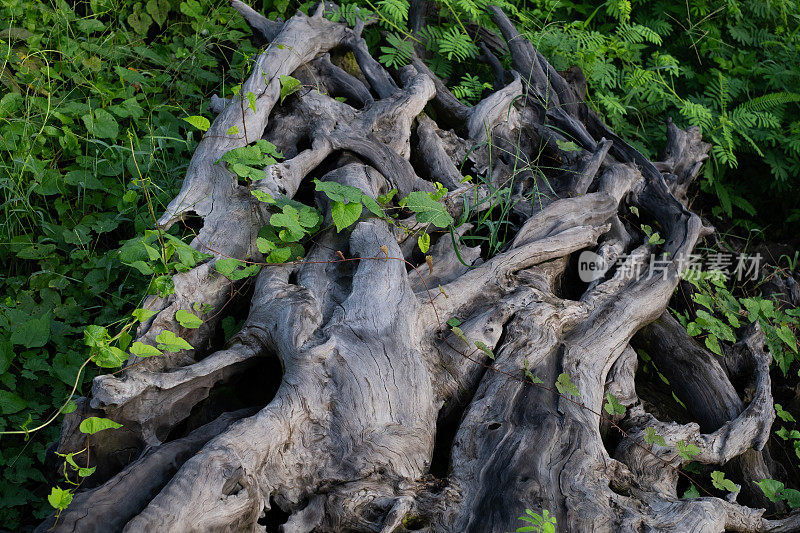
<point>775,491</point>
<point>727,68</point>
<point>92,144</point>
<point>542,523</point>
<point>723,313</point>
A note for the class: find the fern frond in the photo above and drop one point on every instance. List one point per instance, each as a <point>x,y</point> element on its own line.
<point>398,54</point>
<point>470,88</point>
<point>440,66</point>
<point>636,33</point>
<point>697,114</point>
<point>431,35</point>
<point>395,10</point>
<point>456,44</point>
<point>619,9</point>
<point>769,101</point>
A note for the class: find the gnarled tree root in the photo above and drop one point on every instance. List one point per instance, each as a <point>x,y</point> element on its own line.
<point>370,368</point>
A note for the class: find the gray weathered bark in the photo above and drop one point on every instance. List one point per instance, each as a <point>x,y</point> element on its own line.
<point>375,389</point>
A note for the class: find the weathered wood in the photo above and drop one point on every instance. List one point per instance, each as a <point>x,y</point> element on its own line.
<point>377,393</point>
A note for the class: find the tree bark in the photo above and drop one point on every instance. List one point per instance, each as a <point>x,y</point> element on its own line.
<point>384,420</point>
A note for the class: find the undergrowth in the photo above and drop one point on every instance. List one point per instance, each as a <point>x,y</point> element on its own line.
<point>92,144</point>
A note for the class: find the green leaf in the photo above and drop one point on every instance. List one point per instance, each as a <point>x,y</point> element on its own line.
<point>691,492</point>
<point>69,407</point>
<point>345,215</point>
<point>652,437</point>
<point>93,424</point>
<point>427,210</point>
<point>201,123</point>
<point>158,9</point>
<point>712,343</point>
<point>485,349</point>
<point>424,242</point>
<point>386,198</point>
<point>792,497</point>
<point>142,315</point>
<point>192,8</point>
<point>33,333</point>
<point>786,335</point>
<point>784,415</point>
<point>613,407</point>
<point>227,265</point>
<point>262,196</point>
<point>770,488</point>
<point>719,481</point>
<point>686,451</point>
<point>251,99</point>
<point>92,63</point>
<point>372,206</point>
<point>169,342</point>
<point>11,403</point>
<point>86,472</point>
<point>338,192</point>
<point>7,355</point>
<point>568,146</point>
<point>460,334</point>
<point>230,327</point>
<point>454,322</point>
<point>233,130</point>
<point>59,498</point>
<point>109,357</point>
<point>308,217</point>
<point>100,123</point>
<point>289,85</point>
<point>565,385</point>
<point>289,218</point>
<point>95,335</point>
<point>280,255</point>
<point>140,349</point>
<point>138,21</point>
<point>528,373</point>
<point>187,319</point>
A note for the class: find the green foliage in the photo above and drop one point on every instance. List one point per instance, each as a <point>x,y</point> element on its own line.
<point>248,162</point>
<point>428,209</point>
<point>686,451</point>
<point>564,385</point>
<point>201,123</point>
<point>719,314</point>
<point>59,498</point>
<point>398,53</point>
<point>93,424</point>
<point>729,69</point>
<point>791,437</point>
<point>470,88</point>
<point>775,491</point>
<point>652,437</point>
<point>92,138</point>
<point>719,482</point>
<point>187,319</point>
<point>289,85</point>
<point>542,523</point>
<point>347,203</point>
<point>691,492</point>
<point>280,240</point>
<point>612,406</point>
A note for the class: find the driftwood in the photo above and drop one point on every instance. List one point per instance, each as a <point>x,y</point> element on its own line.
<point>383,421</point>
